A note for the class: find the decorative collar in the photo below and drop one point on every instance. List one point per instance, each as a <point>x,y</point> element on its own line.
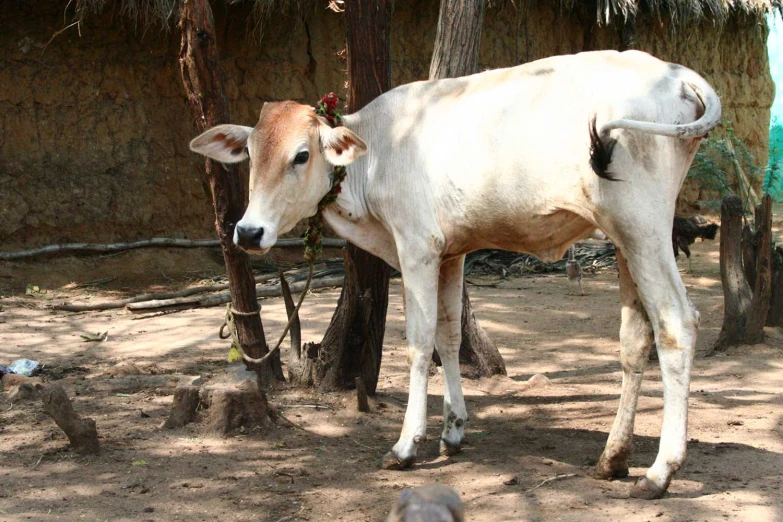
<point>313,236</point>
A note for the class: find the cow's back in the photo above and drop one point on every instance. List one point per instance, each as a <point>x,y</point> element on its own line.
<point>505,154</point>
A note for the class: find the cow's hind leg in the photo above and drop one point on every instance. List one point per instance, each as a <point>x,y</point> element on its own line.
<point>636,340</point>
<point>420,270</point>
<point>447,341</point>
<point>675,322</point>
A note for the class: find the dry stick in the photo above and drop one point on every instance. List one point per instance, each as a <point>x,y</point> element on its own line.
<point>552,479</point>
<point>225,297</point>
<point>163,242</point>
<point>108,305</point>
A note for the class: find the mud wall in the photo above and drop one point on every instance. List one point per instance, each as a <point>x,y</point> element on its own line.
<point>94,127</point>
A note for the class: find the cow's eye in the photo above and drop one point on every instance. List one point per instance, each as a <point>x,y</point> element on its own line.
<point>301,158</point>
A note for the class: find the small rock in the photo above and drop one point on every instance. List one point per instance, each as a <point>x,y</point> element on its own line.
<point>539,379</point>
<point>148,509</point>
<point>513,481</point>
<point>735,423</point>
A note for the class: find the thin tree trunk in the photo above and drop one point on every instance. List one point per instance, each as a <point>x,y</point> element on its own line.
<point>203,84</point>
<point>736,291</point>
<point>456,53</point>
<point>775,315</point>
<point>353,343</point>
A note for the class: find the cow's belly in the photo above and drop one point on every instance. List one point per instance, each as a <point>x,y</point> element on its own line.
<point>545,236</point>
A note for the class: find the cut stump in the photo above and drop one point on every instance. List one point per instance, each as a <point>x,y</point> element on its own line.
<point>233,402</point>
<point>81,433</point>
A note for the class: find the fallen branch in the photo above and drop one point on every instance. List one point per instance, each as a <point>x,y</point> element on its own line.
<point>158,242</point>
<point>552,479</point>
<point>225,297</point>
<point>109,305</point>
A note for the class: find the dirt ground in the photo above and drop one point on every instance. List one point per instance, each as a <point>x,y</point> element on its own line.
<point>321,464</point>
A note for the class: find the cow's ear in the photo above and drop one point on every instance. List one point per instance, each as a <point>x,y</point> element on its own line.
<point>224,143</point>
<point>341,146</point>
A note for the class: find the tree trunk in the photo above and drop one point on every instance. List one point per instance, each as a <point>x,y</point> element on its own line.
<point>736,291</point>
<point>456,53</point>
<point>206,96</point>
<point>775,316</point>
<point>762,289</point>
<point>456,50</point>
<point>353,343</point>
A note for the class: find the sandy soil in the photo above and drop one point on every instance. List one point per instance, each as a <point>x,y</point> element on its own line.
<point>321,464</point>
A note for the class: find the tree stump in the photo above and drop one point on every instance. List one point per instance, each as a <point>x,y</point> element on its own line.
<point>745,313</point>
<point>82,434</point>
<point>233,402</point>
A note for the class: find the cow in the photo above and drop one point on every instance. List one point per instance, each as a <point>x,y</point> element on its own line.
<point>528,159</point>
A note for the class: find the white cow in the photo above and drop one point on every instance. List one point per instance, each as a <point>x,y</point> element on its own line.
<point>528,159</point>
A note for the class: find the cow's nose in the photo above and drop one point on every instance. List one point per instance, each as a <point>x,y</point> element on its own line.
<point>249,236</point>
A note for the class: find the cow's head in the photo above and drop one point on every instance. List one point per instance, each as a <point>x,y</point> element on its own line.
<point>292,153</point>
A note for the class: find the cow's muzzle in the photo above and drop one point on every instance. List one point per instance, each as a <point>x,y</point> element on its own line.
<point>248,237</point>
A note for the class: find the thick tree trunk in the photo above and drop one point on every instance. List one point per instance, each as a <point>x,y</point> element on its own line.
<point>762,288</point>
<point>353,343</point>
<point>456,50</point>
<point>737,295</point>
<point>456,53</point>
<point>206,96</point>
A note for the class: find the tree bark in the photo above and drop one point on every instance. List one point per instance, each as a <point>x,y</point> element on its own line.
<point>762,289</point>
<point>736,291</point>
<point>203,84</point>
<point>775,315</point>
<point>353,343</point>
<point>456,53</point>
<point>457,40</point>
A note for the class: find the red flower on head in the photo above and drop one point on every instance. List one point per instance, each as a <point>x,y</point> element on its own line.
<point>330,101</point>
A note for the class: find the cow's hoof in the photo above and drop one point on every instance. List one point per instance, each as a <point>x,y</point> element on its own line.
<point>608,470</point>
<point>447,448</point>
<point>393,462</point>
<point>647,489</point>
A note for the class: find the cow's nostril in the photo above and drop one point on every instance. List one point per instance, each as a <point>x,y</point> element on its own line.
<point>259,233</point>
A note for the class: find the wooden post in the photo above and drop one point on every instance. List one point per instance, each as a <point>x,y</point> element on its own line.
<point>203,84</point>
<point>456,53</point>
<point>762,289</point>
<point>745,313</point>
<point>736,291</point>
<point>775,315</point>
<point>353,343</point>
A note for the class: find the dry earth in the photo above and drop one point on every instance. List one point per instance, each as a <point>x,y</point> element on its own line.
<point>321,464</point>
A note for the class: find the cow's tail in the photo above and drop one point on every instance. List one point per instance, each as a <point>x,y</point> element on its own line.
<point>694,89</point>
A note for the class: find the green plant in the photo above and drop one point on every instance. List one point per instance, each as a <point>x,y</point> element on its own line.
<point>772,179</point>
<point>717,165</point>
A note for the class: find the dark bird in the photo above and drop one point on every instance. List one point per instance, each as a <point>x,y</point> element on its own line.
<point>574,271</point>
<point>430,503</point>
<point>684,234</point>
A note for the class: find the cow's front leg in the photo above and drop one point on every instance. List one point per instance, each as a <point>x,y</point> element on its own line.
<point>420,280</point>
<point>447,341</point>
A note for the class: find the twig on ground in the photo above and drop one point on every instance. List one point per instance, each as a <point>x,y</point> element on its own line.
<point>289,517</point>
<point>552,479</point>
<point>38,462</point>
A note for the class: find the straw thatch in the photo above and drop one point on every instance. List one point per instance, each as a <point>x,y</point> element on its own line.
<point>607,11</point>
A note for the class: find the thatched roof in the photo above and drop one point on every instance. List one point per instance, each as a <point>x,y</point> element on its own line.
<point>607,11</point>
<point>682,10</point>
